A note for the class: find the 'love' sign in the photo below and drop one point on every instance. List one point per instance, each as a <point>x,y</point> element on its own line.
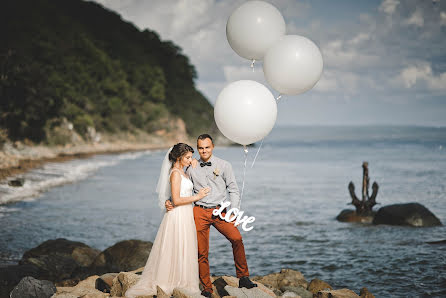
<point>237,216</point>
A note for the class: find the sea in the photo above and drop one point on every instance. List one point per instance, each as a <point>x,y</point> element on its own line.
<point>295,189</point>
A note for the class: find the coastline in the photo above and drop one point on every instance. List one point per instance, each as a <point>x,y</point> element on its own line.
<point>17,158</point>
<point>111,272</point>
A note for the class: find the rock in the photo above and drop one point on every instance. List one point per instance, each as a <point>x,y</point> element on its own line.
<point>160,293</point>
<point>440,242</point>
<point>410,214</point>
<point>105,282</point>
<point>285,278</point>
<point>221,282</point>
<point>125,255</point>
<point>60,259</point>
<point>244,292</point>
<point>317,285</point>
<point>291,294</point>
<point>85,289</point>
<point>16,182</point>
<point>29,287</point>
<point>304,293</point>
<point>122,282</point>
<point>68,282</point>
<point>277,292</point>
<point>342,293</point>
<point>364,293</point>
<point>10,276</point>
<point>184,293</point>
<point>348,215</point>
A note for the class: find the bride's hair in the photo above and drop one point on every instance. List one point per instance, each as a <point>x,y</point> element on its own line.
<point>178,150</point>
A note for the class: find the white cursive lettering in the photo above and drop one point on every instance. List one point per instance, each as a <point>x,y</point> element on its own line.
<point>238,216</point>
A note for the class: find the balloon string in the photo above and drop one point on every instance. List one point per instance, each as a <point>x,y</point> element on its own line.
<point>252,64</point>
<point>245,149</point>
<point>258,150</point>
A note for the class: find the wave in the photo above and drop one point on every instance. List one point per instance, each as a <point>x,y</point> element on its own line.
<point>40,180</point>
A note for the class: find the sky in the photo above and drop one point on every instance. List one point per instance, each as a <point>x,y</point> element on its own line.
<point>384,61</point>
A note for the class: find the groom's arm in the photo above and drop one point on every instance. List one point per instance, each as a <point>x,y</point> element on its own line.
<point>231,186</point>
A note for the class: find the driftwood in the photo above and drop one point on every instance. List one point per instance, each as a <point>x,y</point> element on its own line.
<point>364,206</point>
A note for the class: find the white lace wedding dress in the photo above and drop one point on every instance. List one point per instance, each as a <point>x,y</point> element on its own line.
<point>173,260</point>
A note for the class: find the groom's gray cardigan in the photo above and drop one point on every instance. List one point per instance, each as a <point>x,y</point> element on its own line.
<point>220,178</point>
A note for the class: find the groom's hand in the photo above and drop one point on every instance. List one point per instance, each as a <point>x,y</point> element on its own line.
<point>194,163</point>
<point>168,205</point>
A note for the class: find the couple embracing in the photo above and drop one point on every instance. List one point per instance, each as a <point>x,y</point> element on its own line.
<point>179,256</point>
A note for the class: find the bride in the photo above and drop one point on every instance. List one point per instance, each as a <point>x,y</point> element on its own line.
<point>173,260</point>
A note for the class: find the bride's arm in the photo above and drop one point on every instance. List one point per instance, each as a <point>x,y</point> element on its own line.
<point>175,182</point>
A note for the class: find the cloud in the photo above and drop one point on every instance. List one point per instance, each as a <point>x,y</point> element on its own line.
<point>421,74</point>
<point>341,55</point>
<point>390,52</point>
<point>360,38</point>
<point>389,6</point>
<point>416,19</point>
<point>443,18</point>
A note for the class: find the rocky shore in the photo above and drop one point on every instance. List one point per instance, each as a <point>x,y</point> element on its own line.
<point>61,268</point>
<point>18,157</point>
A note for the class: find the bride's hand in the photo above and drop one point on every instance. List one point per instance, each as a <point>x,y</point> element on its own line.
<point>194,163</point>
<point>203,192</point>
<point>168,205</point>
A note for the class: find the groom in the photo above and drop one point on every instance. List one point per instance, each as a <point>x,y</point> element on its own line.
<point>217,174</point>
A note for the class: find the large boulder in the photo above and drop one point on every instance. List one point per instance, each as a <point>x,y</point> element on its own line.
<point>304,293</point>
<point>364,293</point>
<point>10,276</point>
<point>219,284</point>
<point>125,255</point>
<point>348,215</point>
<point>85,288</point>
<point>410,214</point>
<point>244,292</point>
<point>341,293</point>
<point>29,287</point>
<point>284,278</point>
<point>60,259</point>
<point>183,293</point>
<point>122,282</point>
<point>317,285</point>
<point>105,282</point>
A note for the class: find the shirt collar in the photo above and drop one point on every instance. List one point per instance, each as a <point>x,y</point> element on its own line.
<point>211,159</point>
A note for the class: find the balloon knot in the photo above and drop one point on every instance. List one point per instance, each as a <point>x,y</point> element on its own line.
<point>252,64</point>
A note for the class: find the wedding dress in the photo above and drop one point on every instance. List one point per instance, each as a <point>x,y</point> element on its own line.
<point>173,260</point>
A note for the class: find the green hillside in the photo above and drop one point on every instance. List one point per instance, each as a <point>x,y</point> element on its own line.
<point>76,60</point>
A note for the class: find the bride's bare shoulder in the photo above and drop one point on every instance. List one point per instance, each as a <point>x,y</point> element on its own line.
<point>174,173</point>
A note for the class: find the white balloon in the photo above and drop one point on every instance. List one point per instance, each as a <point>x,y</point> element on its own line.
<point>253,28</point>
<point>245,111</point>
<point>293,65</point>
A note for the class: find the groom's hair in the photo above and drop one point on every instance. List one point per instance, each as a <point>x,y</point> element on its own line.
<point>205,136</point>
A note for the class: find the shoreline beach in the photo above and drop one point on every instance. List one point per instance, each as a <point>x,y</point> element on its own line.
<point>11,165</point>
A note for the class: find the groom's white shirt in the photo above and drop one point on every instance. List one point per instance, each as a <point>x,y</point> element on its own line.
<point>220,178</point>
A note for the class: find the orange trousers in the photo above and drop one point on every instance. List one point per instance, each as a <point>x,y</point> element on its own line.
<point>203,221</point>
